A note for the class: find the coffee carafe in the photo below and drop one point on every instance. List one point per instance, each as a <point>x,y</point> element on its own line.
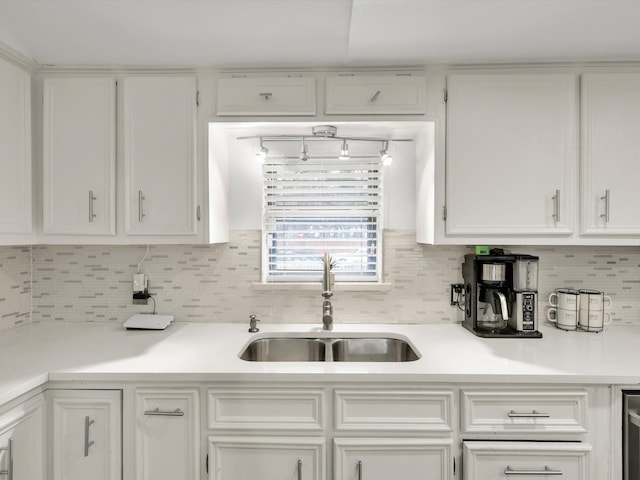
<point>501,295</point>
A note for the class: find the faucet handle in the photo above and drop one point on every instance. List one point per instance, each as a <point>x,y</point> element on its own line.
<point>253,319</point>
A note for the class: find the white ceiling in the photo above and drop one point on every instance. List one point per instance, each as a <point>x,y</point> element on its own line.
<point>286,33</point>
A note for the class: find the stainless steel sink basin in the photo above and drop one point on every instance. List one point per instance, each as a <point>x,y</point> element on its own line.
<point>372,350</point>
<point>329,348</point>
<point>286,349</point>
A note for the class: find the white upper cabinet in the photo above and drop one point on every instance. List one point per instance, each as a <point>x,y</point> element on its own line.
<point>389,94</point>
<point>266,96</point>
<point>610,154</point>
<point>511,160</point>
<point>160,155</point>
<point>15,150</point>
<point>79,156</point>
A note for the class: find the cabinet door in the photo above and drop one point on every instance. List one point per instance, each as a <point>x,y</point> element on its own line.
<point>79,155</point>
<point>376,95</point>
<point>610,154</point>
<point>385,458</point>
<point>266,458</point>
<point>485,460</point>
<point>21,441</point>
<point>86,434</point>
<point>266,96</point>
<point>15,149</point>
<point>160,155</point>
<point>511,166</point>
<point>167,435</point>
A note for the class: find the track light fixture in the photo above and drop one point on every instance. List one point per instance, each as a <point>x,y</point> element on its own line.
<point>326,133</point>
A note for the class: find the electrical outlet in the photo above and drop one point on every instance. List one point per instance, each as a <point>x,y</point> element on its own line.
<point>140,283</point>
<point>457,290</point>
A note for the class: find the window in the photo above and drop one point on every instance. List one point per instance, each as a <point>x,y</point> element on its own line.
<point>322,205</point>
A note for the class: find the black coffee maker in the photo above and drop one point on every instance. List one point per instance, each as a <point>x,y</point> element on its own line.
<point>501,293</point>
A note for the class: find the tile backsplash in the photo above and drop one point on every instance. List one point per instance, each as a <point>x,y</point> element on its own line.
<point>15,286</point>
<point>202,283</point>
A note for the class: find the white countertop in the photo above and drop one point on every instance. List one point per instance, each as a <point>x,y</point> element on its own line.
<point>32,355</point>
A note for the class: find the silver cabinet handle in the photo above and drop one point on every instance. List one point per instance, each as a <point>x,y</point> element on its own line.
<point>141,199</point>
<point>299,469</point>
<point>532,414</point>
<point>9,470</point>
<point>375,96</point>
<point>265,95</point>
<point>359,469</point>
<point>92,198</point>
<point>556,206</point>
<point>87,423</point>
<point>156,411</point>
<point>607,200</point>
<point>546,471</point>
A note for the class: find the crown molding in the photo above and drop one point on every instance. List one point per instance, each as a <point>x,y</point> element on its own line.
<point>18,58</point>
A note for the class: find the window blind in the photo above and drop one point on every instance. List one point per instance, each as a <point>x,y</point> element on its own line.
<point>322,205</point>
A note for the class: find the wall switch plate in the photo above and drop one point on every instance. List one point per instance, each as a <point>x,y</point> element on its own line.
<point>139,283</point>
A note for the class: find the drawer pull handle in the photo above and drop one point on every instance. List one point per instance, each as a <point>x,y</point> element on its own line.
<point>87,443</point>
<point>375,96</point>
<point>546,471</point>
<point>156,411</point>
<point>265,95</point>
<point>9,471</point>
<point>299,469</point>
<point>532,414</point>
<point>359,469</point>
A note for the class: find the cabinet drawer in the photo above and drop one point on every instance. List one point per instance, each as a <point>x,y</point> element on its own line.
<point>266,409</point>
<point>484,460</point>
<point>251,458</point>
<point>385,458</point>
<point>489,411</point>
<point>412,410</point>
<point>376,95</point>
<point>266,96</point>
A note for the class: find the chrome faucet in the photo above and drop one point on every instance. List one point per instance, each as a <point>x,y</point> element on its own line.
<point>327,293</point>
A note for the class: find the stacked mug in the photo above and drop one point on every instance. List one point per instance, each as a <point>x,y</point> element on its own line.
<point>585,309</point>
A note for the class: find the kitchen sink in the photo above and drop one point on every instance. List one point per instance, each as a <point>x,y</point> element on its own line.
<point>372,350</point>
<point>328,348</point>
<point>285,349</point>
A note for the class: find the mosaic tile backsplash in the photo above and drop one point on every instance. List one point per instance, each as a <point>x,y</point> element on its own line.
<point>215,283</point>
<point>15,286</point>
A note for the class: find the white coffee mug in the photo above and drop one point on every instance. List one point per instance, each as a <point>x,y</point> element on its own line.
<point>564,319</point>
<point>594,300</point>
<point>594,320</point>
<point>565,298</point>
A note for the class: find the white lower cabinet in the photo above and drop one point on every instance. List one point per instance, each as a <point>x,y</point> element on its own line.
<point>21,441</point>
<point>167,434</point>
<point>267,458</point>
<point>86,431</point>
<point>488,460</point>
<point>385,458</point>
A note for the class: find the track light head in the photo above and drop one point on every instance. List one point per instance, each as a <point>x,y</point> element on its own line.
<point>385,156</point>
<point>261,155</point>
<point>344,151</point>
